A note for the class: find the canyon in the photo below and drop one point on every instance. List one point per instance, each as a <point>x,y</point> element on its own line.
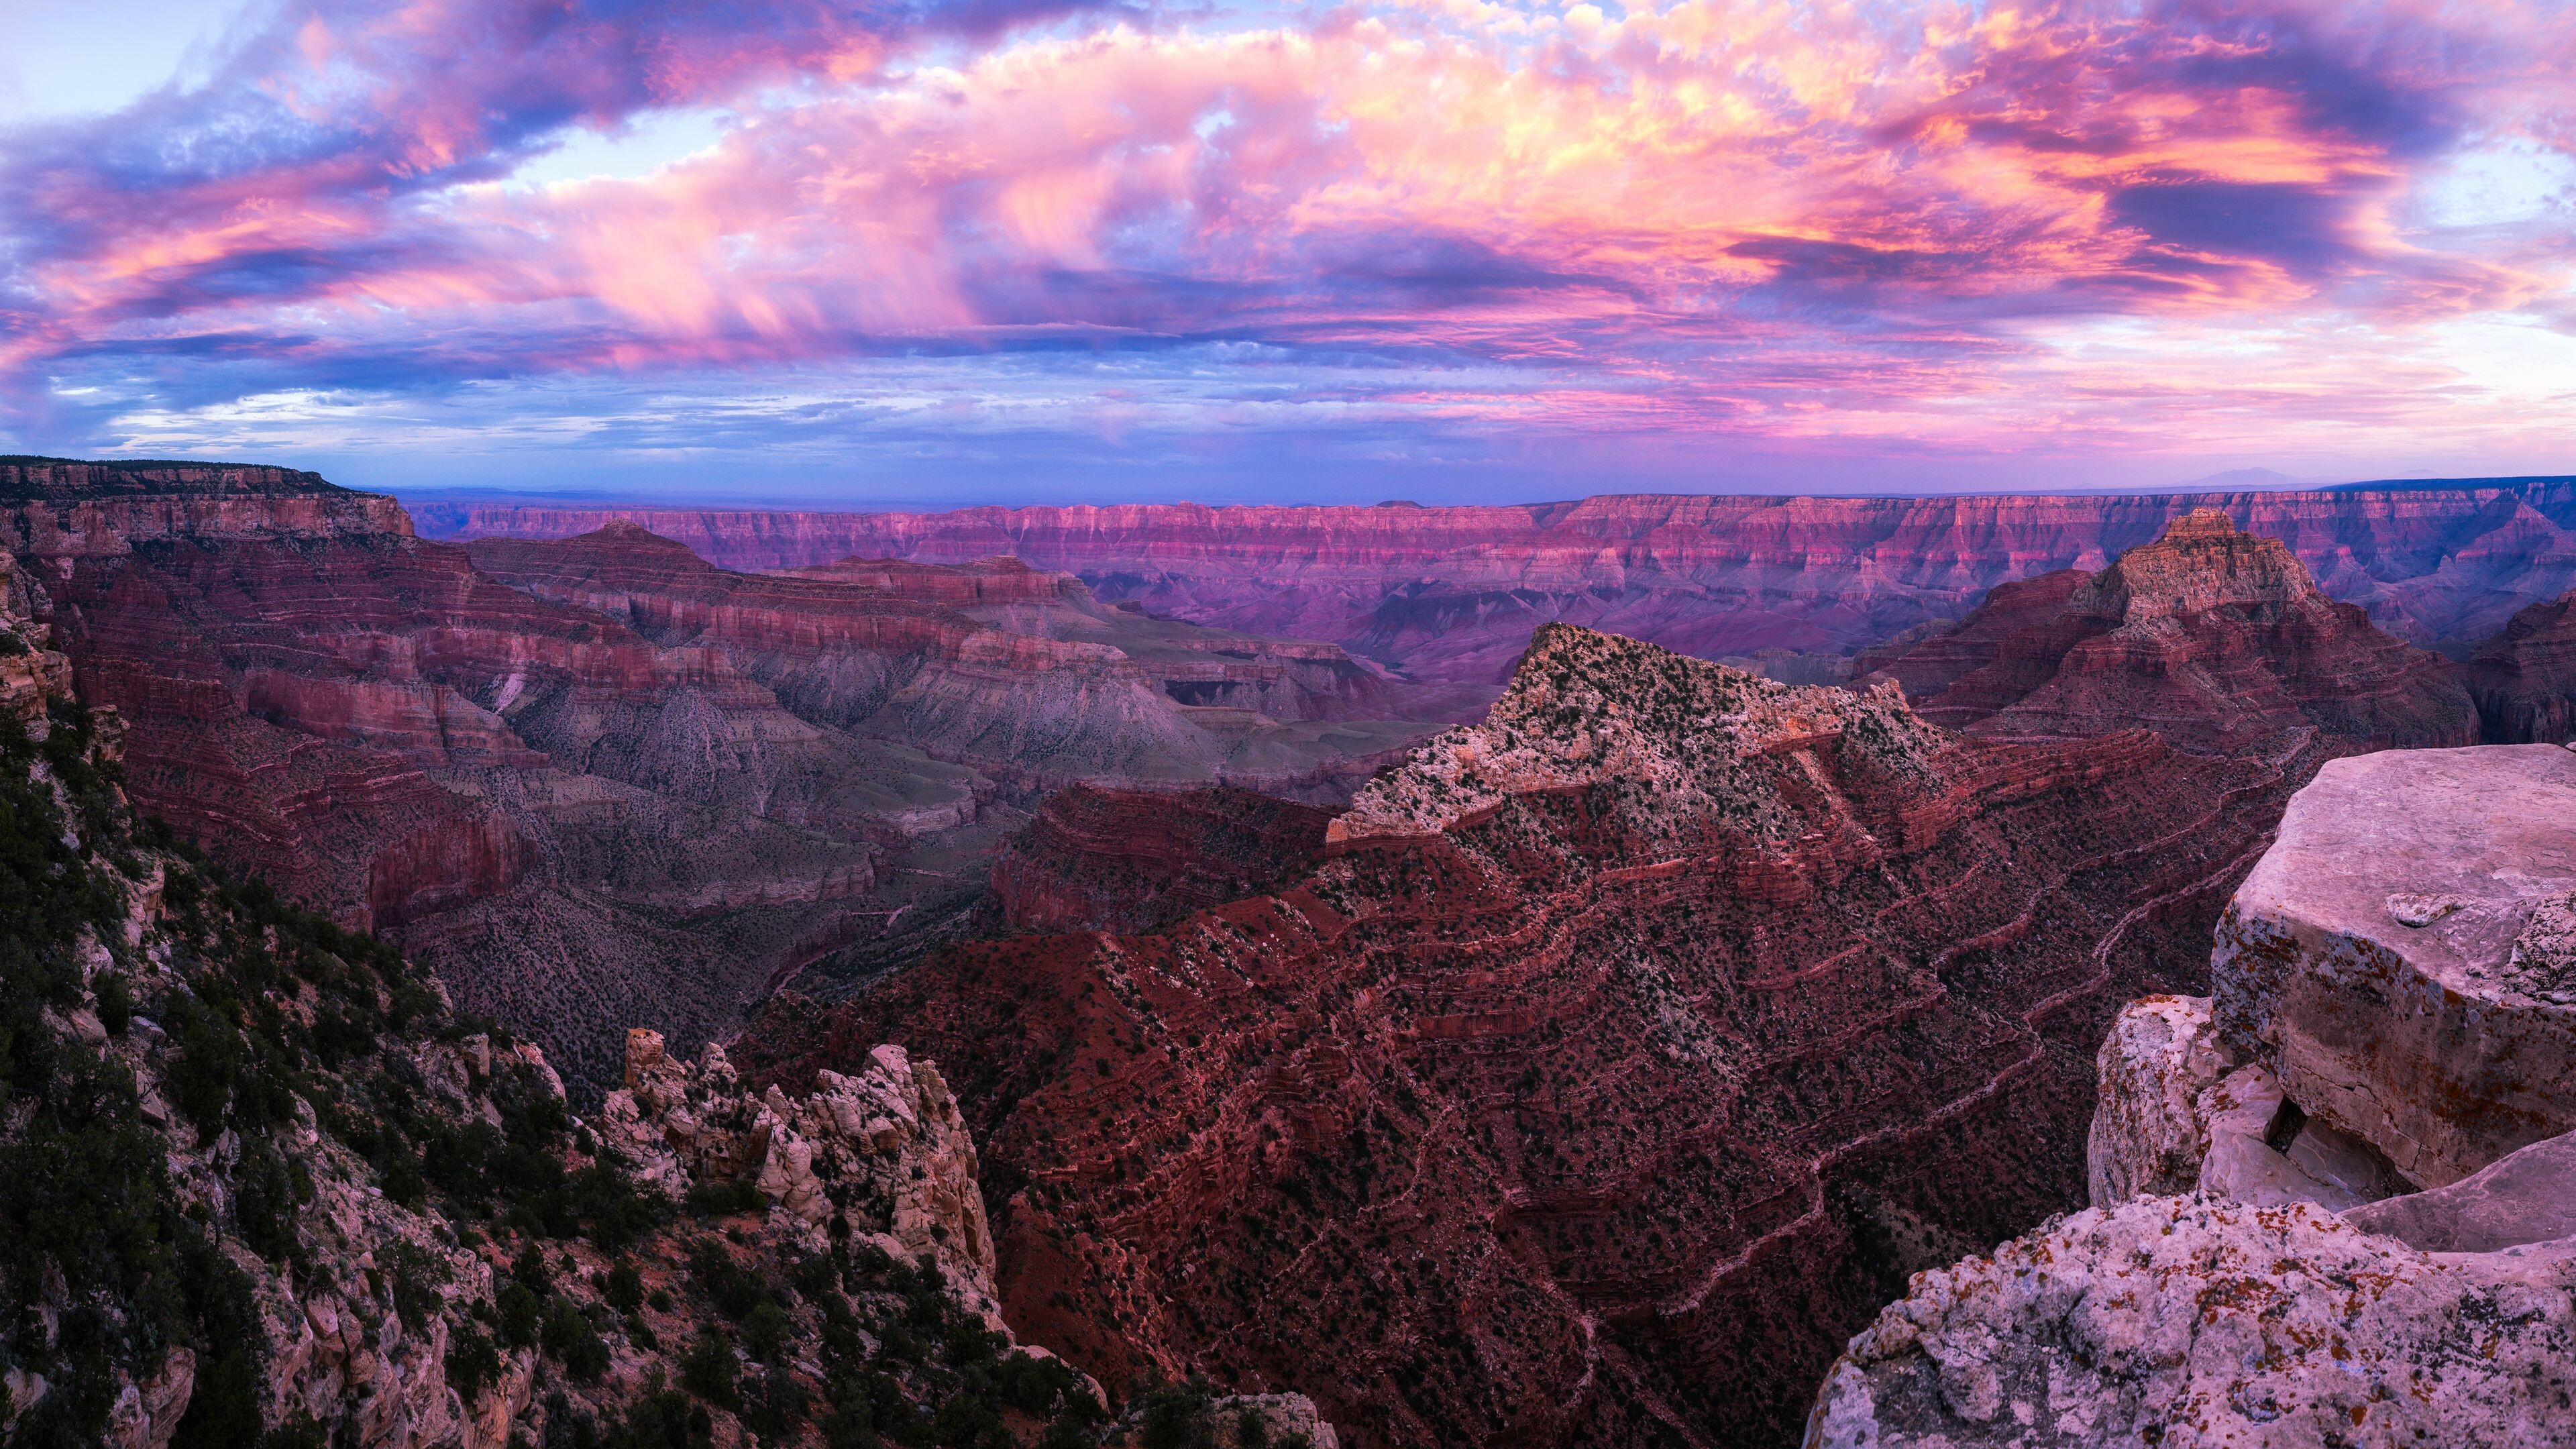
<point>2216,638</point>
<point>1625,1052</point>
<point>602,775</point>
<point>340,1211</point>
<point>1448,597</point>
<point>2331,1199</point>
<point>1589,1072</point>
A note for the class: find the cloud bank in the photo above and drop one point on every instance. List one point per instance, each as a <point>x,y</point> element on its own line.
<point>978,238</point>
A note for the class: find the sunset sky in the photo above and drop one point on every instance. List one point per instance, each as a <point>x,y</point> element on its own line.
<point>921,251</point>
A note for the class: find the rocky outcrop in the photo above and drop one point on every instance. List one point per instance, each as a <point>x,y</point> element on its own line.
<point>2184,1321</point>
<point>30,672</point>
<point>1451,595</point>
<point>2377,1244</point>
<point>1598,1087</point>
<point>2214,637</point>
<point>1589,709</point>
<point>2150,1127</point>
<point>881,1154</point>
<point>259,1184</point>
<point>2525,677</point>
<point>2393,958</point>
<point>1097,859</point>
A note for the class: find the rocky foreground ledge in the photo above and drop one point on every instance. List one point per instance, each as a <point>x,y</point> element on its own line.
<point>2334,1204</point>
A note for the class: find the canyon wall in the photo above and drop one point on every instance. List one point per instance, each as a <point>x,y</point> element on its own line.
<point>601,782</point>
<point>2216,638</point>
<point>1450,596</point>
<point>260,1184</point>
<point>1629,1049</point>
<point>2525,677</point>
<point>2332,1203</point>
<point>1015,671</point>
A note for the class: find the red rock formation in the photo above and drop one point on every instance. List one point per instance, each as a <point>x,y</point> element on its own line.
<point>1012,670</point>
<point>2525,677</point>
<point>1451,594</point>
<point>2216,638</point>
<point>638,778</point>
<point>1630,1050</point>
<point>1098,859</point>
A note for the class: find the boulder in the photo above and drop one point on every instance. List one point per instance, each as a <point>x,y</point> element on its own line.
<point>2372,956</point>
<point>2523,1197</point>
<point>2149,1133</point>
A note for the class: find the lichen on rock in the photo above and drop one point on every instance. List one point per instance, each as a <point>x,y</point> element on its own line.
<point>1587,708</point>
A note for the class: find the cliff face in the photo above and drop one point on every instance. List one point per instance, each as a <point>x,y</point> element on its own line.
<point>410,745</point>
<point>2333,1203</point>
<point>1451,595</point>
<point>2525,677</point>
<point>261,1185</point>
<point>2212,636</point>
<point>1096,859</point>
<point>614,779</point>
<point>1015,671</point>
<point>1630,1048</point>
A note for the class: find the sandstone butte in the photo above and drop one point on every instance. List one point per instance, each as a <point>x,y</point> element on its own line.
<point>613,774</point>
<point>262,1184</point>
<point>1450,595</point>
<point>1626,1052</point>
<point>2332,1203</point>
<point>2216,638</point>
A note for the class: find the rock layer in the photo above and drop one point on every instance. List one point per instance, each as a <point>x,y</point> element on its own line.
<point>1453,594</point>
<point>622,780</point>
<point>1014,671</point>
<point>2525,677</point>
<point>2216,638</point>
<point>1597,1084</point>
<point>1096,859</point>
<point>2375,1038</point>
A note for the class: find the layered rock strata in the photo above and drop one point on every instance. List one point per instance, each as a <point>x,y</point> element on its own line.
<point>1452,594</point>
<point>637,783</point>
<point>2330,1206</point>
<point>1626,1052</point>
<point>260,1184</point>
<point>2216,638</point>
<point>1012,670</point>
<point>1096,859</point>
<point>2525,677</point>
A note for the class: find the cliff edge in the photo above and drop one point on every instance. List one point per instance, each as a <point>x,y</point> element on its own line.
<point>2334,1204</point>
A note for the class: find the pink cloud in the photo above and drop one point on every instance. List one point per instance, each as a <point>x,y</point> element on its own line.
<point>1801,219</point>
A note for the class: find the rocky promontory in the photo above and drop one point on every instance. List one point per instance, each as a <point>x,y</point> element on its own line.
<point>1618,1059</point>
<point>2332,1204</point>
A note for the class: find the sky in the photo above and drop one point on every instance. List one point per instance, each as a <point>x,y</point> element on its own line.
<point>915,252</point>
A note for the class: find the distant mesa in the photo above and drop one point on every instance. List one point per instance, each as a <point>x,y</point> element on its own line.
<point>1447,597</point>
